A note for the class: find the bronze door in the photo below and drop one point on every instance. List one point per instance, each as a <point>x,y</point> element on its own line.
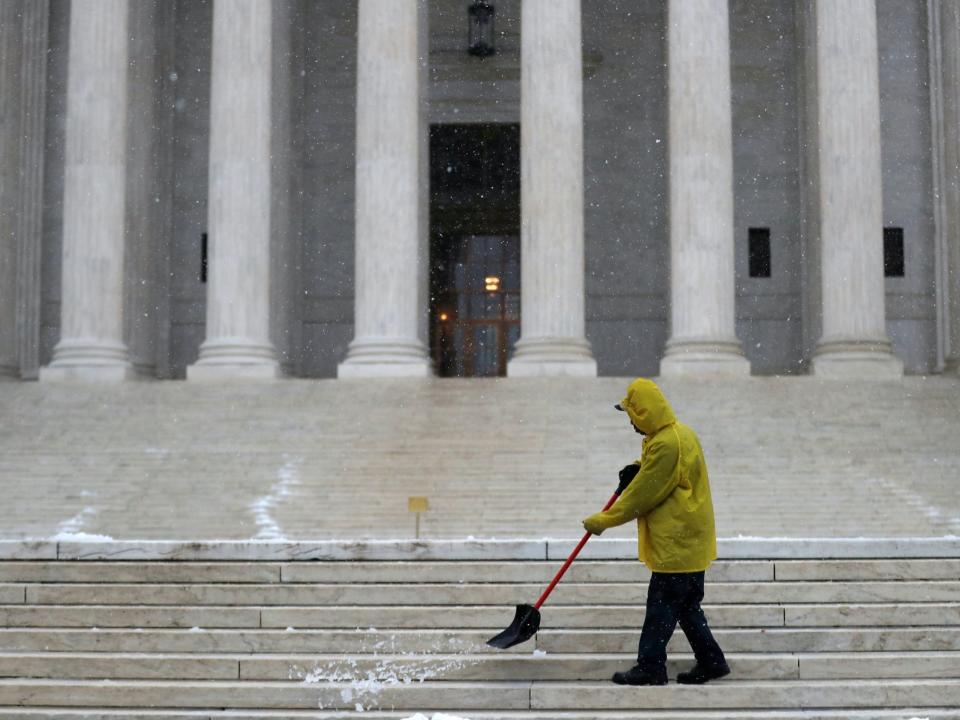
<point>477,313</point>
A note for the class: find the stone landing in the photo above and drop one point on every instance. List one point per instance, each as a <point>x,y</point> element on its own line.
<point>509,458</point>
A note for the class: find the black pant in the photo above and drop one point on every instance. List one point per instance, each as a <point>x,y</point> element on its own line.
<point>672,598</point>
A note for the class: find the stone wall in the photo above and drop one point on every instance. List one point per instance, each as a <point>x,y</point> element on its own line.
<point>908,179</point>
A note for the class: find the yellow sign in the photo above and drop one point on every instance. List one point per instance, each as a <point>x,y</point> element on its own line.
<point>417,504</point>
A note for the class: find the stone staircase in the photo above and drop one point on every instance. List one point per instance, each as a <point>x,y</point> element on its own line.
<point>281,630</point>
<point>527,457</point>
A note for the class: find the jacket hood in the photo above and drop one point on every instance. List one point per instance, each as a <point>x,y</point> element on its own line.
<point>647,407</point>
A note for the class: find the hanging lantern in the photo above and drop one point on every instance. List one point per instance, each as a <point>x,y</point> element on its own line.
<point>480,35</point>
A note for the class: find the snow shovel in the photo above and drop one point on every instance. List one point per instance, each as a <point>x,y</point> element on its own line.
<point>526,621</point>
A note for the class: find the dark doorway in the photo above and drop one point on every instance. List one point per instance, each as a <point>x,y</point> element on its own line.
<point>474,248</point>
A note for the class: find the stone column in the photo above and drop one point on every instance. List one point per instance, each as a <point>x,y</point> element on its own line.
<point>944,35</point>
<point>237,344</point>
<point>33,113</point>
<point>144,170</point>
<point>10,64</point>
<point>854,341</point>
<point>91,343</point>
<point>552,333</point>
<point>703,302</point>
<point>390,232</point>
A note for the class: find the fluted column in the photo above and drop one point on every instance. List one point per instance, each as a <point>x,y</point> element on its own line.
<point>944,19</point>
<point>703,301</point>
<point>238,342</point>
<point>854,341</point>
<point>10,52</point>
<point>33,113</point>
<point>91,343</point>
<point>391,250</point>
<point>552,326</point>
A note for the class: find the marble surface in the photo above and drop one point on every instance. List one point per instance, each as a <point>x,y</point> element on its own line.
<point>761,549</point>
<point>134,634</point>
<point>319,550</point>
<point>552,334</point>
<point>780,548</point>
<point>92,344</point>
<point>462,594</point>
<point>854,341</point>
<point>238,311</point>
<point>391,234</point>
<point>702,297</point>
<point>509,458</point>
<point>28,550</point>
<point>886,693</point>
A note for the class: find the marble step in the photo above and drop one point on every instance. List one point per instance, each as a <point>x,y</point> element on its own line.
<point>583,571</point>
<point>487,667</point>
<point>300,640</point>
<point>466,696</point>
<point>313,595</point>
<point>735,695</point>
<point>412,668</point>
<point>581,666</point>
<point>453,616</point>
<point>487,617</point>
<point>930,713</point>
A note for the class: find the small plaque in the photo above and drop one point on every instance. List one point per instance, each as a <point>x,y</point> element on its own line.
<point>417,504</point>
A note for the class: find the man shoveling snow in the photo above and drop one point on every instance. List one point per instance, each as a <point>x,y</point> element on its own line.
<point>668,493</point>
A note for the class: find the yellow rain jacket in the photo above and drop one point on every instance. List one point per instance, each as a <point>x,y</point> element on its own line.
<point>670,495</point>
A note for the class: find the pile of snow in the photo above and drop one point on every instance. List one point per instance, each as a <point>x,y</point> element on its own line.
<point>436,716</point>
<point>363,683</point>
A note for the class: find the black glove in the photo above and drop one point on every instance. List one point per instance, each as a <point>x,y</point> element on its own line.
<point>626,476</point>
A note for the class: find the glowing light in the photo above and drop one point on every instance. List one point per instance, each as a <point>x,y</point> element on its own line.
<point>492,283</point>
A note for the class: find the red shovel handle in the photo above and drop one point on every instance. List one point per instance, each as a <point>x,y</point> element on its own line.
<point>573,556</point>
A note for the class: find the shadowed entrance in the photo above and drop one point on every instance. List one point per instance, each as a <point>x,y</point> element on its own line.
<point>474,248</point>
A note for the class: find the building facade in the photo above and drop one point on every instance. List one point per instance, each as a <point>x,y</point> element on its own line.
<point>210,189</point>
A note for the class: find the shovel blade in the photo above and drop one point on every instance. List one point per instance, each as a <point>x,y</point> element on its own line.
<point>525,624</point>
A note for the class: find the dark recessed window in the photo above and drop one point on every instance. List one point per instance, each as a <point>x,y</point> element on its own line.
<point>759,248</point>
<point>893,252</point>
<point>203,258</point>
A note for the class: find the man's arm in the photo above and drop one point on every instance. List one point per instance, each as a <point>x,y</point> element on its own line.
<point>651,486</point>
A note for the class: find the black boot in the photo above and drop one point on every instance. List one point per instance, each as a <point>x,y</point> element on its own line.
<point>703,673</point>
<point>637,675</point>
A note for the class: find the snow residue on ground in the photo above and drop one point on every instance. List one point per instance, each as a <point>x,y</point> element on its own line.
<point>918,503</point>
<point>288,477</point>
<point>436,716</point>
<point>81,537</point>
<point>69,530</point>
<point>364,683</point>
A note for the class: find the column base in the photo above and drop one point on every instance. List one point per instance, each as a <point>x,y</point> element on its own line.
<point>951,366</point>
<point>368,358</point>
<point>856,361</point>
<point>9,372</point>
<point>88,361</point>
<point>697,358</point>
<point>543,357</point>
<point>225,360</point>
